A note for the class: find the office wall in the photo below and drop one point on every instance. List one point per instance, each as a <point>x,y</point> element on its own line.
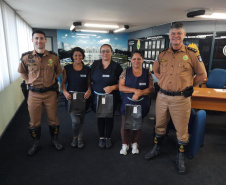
<point>11,98</point>
<point>190,26</point>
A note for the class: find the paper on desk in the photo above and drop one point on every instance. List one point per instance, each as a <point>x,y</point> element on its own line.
<point>220,90</point>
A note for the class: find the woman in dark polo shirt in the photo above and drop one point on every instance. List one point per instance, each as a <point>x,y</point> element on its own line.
<point>136,83</point>
<point>104,76</point>
<point>77,78</point>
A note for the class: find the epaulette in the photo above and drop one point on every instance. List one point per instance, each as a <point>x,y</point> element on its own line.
<point>193,49</point>
<point>52,52</point>
<point>23,54</point>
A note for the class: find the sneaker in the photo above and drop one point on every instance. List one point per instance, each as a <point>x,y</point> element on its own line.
<point>124,149</point>
<point>101,143</point>
<point>108,143</point>
<point>80,143</point>
<point>74,142</point>
<point>134,147</point>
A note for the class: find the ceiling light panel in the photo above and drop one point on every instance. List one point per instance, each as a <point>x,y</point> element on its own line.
<point>101,25</point>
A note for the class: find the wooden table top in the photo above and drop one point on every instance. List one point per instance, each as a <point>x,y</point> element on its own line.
<point>209,93</point>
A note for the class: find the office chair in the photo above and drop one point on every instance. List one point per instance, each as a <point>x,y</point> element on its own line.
<point>196,129</point>
<point>217,79</point>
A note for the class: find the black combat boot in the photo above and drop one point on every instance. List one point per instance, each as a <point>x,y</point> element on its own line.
<point>35,134</point>
<point>54,131</point>
<point>180,162</point>
<point>158,140</point>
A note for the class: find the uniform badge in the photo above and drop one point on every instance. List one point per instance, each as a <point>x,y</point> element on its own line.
<point>50,62</point>
<point>30,56</point>
<point>163,60</point>
<point>31,61</point>
<point>181,149</point>
<point>185,57</point>
<point>199,58</point>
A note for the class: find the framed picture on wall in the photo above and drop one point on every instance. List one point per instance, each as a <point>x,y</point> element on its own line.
<point>149,54</point>
<point>157,54</point>
<point>149,45</point>
<point>146,45</point>
<point>153,55</point>
<point>153,44</point>
<point>162,43</point>
<point>158,44</point>
<point>145,54</point>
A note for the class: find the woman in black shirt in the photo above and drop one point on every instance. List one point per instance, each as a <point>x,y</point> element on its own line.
<point>77,78</point>
<point>104,76</point>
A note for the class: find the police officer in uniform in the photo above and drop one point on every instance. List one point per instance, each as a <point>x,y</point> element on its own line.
<point>178,69</point>
<point>40,68</point>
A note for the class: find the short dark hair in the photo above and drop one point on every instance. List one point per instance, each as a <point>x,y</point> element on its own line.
<point>38,31</point>
<point>141,53</point>
<point>177,25</point>
<point>106,45</point>
<point>79,50</point>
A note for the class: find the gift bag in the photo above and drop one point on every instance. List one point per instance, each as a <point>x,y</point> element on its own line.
<point>133,117</point>
<point>104,105</point>
<point>77,104</point>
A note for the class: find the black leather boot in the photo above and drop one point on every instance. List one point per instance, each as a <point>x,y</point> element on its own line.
<point>180,162</point>
<point>35,134</point>
<point>54,131</point>
<point>158,140</point>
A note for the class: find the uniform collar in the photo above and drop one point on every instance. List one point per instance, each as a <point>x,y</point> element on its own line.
<point>182,49</point>
<point>46,53</point>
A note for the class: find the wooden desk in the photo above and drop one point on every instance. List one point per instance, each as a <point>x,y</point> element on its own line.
<point>208,99</point>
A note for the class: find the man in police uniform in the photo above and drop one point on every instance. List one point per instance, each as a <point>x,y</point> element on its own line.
<point>40,68</point>
<point>178,69</point>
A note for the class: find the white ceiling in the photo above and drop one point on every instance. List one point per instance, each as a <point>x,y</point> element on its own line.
<point>138,14</point>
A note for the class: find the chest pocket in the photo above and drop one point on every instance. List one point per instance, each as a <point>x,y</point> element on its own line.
<point>183,67</point>
<point>163,67</point>
<point>32,68</point>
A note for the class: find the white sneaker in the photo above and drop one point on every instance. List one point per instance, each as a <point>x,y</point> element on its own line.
<point>134,147</point>
<point>124,149</point>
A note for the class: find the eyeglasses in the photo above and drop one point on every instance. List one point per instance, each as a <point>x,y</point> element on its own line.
<point>105,51</point>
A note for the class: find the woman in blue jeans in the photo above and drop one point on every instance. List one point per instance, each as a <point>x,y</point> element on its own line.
<point>77,78</point>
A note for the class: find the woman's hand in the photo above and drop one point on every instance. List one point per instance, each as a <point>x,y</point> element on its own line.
<point>138,92</point>
<point>67,95</point>
<point>135,97</point>
<point>108,89</point>
<point>87,94</point>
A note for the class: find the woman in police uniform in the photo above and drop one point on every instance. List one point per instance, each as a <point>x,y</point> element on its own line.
<point>77,77</point>
<point>136,83</point>
<point>104,76</point>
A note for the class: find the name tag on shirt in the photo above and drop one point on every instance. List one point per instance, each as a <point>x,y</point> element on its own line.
<point>82,75</point>
<point>105,76</point>
<point>74,95</point>
<point>142,83</point>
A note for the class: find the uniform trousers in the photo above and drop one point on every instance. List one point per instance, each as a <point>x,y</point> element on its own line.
<point>35,103</point>
<point>77,125</point>
<point>179,108</point>
<point>125,133</point>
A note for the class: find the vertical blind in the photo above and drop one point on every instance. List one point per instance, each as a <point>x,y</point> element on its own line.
<point>15,38</point>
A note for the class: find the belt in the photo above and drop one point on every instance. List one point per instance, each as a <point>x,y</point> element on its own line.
<point>45,89</point>
<point>172,93</point>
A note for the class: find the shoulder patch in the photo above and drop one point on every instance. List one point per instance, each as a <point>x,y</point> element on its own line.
<point>52,52</point>
<point>193,49</point>
<point>26,53</point>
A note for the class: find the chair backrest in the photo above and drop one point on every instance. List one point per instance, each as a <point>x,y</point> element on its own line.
<point>217,79</point>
